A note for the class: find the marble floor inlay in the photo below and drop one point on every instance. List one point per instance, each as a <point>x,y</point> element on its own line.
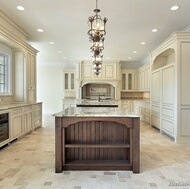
<point>29,163</point>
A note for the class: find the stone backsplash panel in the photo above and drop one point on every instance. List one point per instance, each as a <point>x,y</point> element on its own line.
<point>135,95</point>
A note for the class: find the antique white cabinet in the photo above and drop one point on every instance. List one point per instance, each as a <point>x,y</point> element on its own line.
<point>109,74</point>
<point>170,89</point>
<point>144,78</point>
<point>129,80</point>
<point>69,79</point>
<point>31,77</point>
<point>24,119</point>
<point>142,107</point>
<point>36,115</point>
<point>17,124</point>
<point>23,61</point>
<point>127,104</point>
<point>109,71</point>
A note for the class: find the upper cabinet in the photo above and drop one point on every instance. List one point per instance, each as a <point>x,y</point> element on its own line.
<point>109,74</point>
<point>69,78</point>
<point>129,80</point>
<point>110,71</point>
<point>144,78</point>
<point>31,76</point>
<point>22,62</point>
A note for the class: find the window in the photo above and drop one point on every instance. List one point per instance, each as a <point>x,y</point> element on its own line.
<point>3,73</point>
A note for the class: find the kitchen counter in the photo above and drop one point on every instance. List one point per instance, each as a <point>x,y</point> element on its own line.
<point>97,139</point>
<point>94,112</point>
<point>10,106</point>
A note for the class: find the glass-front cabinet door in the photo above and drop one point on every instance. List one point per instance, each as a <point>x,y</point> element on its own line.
<point>129,79</point>
<point>66,81</point>
<point>72,81</point>
<point>69,81</point>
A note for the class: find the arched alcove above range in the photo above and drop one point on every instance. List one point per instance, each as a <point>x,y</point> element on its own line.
<point>94,90</point>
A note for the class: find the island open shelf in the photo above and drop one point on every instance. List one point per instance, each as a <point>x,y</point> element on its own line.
<point>97,142</point>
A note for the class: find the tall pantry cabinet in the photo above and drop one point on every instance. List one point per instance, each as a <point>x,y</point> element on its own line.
<point>170,88</point>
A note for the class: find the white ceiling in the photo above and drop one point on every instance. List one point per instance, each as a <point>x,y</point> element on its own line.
<point>65,23</point>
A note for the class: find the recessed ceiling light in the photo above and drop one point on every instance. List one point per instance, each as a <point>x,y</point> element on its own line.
<point>129,58</point>
<point>108,57</point>
<point>64,57</point>
<point>134,51</point>
<point>21,8</point>
<point>40,30</point>
<point>52,43</point>
<point>175,7</point>
<point>143,43</point>
<point>154,30</point>
<point>59,51</point>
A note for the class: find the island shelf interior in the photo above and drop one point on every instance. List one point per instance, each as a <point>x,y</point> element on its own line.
<point>97,143</point>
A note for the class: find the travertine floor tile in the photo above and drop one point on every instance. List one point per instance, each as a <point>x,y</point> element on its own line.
<point>28,163</point>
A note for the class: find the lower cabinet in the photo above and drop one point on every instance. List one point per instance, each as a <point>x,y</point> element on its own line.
<point>145,114</point>
<point>127,104</point>
<point>155,115</point>
<point>25,119</point>
<point>142,107</point>
<point>37,115</point>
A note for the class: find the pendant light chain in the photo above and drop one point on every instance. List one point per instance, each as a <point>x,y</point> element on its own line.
<point>96,37</point>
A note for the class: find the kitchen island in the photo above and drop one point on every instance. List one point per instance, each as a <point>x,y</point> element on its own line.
<point>97,139</point>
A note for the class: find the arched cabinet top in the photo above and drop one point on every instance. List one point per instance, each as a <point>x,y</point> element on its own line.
<point>163,59</point>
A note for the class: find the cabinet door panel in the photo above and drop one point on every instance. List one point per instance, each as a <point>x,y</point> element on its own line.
<point>168,126</point>
<point>168,85</point>
<point>28,121</point>
<point>72,81</point>
<point>156,86</point>
<point>109,71</point>
<point>66,81</point>
<point>123,81</point>
<point>185,76</point>
<point>33,70</point>
<point>87,71</point>
<point>17,126</point>
<point>135,81</point>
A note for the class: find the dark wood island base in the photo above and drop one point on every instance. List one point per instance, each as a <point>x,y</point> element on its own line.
<point>97,143</point>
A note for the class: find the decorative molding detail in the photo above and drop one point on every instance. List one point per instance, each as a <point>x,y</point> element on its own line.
<point>13,24</point>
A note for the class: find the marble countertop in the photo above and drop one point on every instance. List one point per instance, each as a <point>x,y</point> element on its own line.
<point>96,102</point>
<point>10,106</point>
<point>95,112</point>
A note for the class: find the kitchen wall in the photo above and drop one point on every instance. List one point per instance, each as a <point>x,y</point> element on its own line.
<point>50,87</point>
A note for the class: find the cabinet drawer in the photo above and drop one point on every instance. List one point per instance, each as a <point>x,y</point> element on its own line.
<point>37,107</point>
<point>27,108</point>
<point>16,110</point>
